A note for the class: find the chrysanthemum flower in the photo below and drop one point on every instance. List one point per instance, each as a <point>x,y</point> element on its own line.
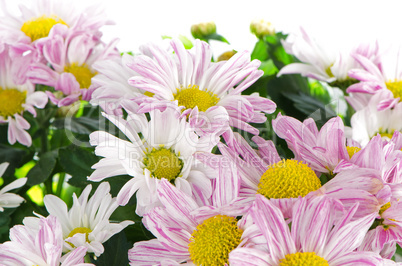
<point>36,21</point>
<point>208,93</point>
<point>377,78</point>
<point>164,150</point>
<point>17,95</point>
<point>39,245</point>
<point>68,64</point>
<point>321,149</point>
<point>86,224</point>
<point>283,181</point>
<point>315,236</point>
<point>369,121</point>
<point>10,200</point>
<point>319,64</point>
<point>191,234</point>
<point>111,86</point>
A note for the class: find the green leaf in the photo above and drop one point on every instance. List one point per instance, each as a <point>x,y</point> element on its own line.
<point>80,125</point>
<point>77,162</point>
<point>186,42</point>
<point>15,156</point>
<point>216,37</point>
<point>116,251</point>
<point>260,51</point>
<point>268,67</point>
<point>43,168</point>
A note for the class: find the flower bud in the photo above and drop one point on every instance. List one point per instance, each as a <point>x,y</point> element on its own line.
<point>226,55</point>
<point>261,28</point>
<point>201,30</point>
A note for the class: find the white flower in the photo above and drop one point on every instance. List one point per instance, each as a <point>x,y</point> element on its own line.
<point>164,150</point>
<point>10,200</point>
<point>87,222</point>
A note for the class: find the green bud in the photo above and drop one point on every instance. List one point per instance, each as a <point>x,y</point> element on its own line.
<point>261,28</point>
<point>201,30</point>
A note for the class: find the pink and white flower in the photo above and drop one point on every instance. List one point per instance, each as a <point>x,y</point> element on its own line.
<point>385,77</point>
<point>36,20</point>
<point>111,84</point>
<point>315,235</point>
<point>87,223</point>
<point>67,66</point>
<point>10,200</point>
<point>181,226</point>
<point>39,245</point>
<point>160,148</point>
<point>263,172</point>
<point>321,64</point>
<point>208,93</point>
<point>17,94</point>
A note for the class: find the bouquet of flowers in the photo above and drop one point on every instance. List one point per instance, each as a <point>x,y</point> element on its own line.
<point>286,154</point>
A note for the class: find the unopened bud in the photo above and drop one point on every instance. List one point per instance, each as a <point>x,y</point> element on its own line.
<point>201,30</point>
<point>261,28</point>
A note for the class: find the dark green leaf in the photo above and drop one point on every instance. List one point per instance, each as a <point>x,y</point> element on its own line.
<point>80,125</point>
<point>17,157</point>
<point>77,162</point>
<point>43,168</point>
<point>216,37</point>
<point>116,251</point>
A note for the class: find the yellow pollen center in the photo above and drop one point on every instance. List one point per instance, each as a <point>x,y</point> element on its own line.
<point>395,86</point>
<point>352,150</point>
<point>40,27</point>
<point>386,134</point>
<point>163,163</point>
<point>288,179</point>
<point>192,96</point>
<point>303,259</point>
<point>11,101</point>
<point>213,240</point>
<point>82,74</point>
<point>384,208</point>
<point>79,230</point>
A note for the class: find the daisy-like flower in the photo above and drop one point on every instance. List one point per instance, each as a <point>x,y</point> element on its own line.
<point>68,64</point>
<point>10,200</point>
<point>111,86</point>
<point>36,21</point>
<point>283,181</point>
<point>321,149</point>
<point>164,150</point>
<point>40,245</point>
<point>208,93</point>
<point>369,121</point>
<point>86,224</point>
<point>319,64</point>
<point>315,236</point>
<point>190,234</point>
<point>17,94</point>
<point>377,78</point>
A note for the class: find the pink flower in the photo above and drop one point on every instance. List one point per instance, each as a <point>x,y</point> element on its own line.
<point>208,93</point>
<point>314,235</point>
<point>321,149</point>
<point>192,234</point>
<point>39,244</point>
<point>17,94</point>
<point>67,66</point>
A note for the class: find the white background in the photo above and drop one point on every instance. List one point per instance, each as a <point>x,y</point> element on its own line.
<point>336,24</point>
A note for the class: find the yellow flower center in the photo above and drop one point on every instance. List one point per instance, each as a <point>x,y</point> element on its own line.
<point>163,163</point>
<point>79,230</point>
<point>352,150</point>
<point>384,208</point>
<point>213,240</point>
<point>386,134</point>
<point>81,73</point>
<point>11,101</point>
<point>40,27</point>
<point>303,259</point>
<point>192,96</point>
<point>288,179</point>
<point>395,86</point>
